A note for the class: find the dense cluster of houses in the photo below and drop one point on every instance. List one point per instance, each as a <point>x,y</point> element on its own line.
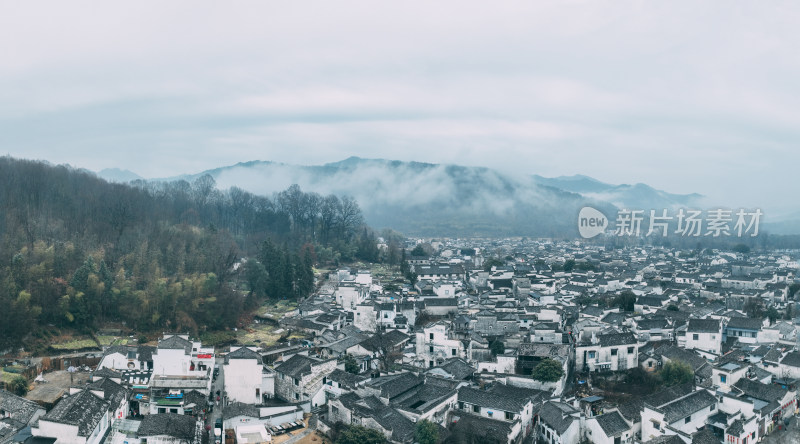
<point>461,348</point>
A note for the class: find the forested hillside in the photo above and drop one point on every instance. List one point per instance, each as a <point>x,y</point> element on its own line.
<point>79,252</point>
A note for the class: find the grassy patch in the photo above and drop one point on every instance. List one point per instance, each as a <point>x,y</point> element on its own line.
<point>260,334</point>
<point>74,344</point>
<point>277,309</point>
<point>6,376</point>
<point>106,340</point>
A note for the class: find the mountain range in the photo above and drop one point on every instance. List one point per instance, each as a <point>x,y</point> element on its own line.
<point>436,200</point>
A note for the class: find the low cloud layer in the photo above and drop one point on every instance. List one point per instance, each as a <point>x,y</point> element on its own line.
<point>685,96</point>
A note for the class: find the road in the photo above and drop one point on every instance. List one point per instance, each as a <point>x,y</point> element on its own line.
<point>217,385</point>
<point>790,435</point>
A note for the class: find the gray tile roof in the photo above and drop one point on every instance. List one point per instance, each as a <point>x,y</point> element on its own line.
<point>557,415</point>
<point>19,409</point>
<point>168,424</point>
<point>296,366</point>
<point>83,409</point>
<point>687,405</point>
<point>394,385</point>
<point>613,424</point>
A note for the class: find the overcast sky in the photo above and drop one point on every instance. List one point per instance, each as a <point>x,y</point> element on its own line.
<point>685,96</point>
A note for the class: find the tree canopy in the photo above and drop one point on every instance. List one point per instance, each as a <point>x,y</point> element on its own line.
<point>676,372</point>
<point>548,370</point>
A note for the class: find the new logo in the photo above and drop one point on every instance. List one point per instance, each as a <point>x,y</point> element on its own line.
<point>591,222</point>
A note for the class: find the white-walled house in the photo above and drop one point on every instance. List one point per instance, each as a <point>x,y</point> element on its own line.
<point>434,345</point>
<point>302,378</point>
<point>80,418</point>
<point>685,414</point>
<point>612,351</point>
<point>176,355</point>
<point>608,428</point>
<point>246,379</point>
<point>559,423</point>
<point>704,335</point>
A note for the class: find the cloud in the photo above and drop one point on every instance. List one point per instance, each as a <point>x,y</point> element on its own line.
<point>684,96</point>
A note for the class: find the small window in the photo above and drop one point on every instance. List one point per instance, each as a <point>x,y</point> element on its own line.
<point>509,416</point>
<point>453,352</point>
<point>695,336</point>
<point>591,355</point>
<point>430,349</point>
<point>296,396</point>
<point>430,336</point>
<point>687,420</point>
<point>613,352</point>
<point>476,409</point>
<point>723,379</point>
<point>630,350</point>
<point>461,405</point>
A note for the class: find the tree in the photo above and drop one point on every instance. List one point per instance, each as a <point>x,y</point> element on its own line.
<point>569,265</point>
<point>625,301</point>
<point>497,347</point>
<point>418,251</point>
<point>789,314</point>
<point>356,434</point>
<point>741,248</point>
<point>351,365</point>
<point>676,372</point>
<point>492,262</point>
<point>18,386</point>
<point>426,432</point>
<point>754,308</point>
<point>548,370</point>
<point>673,307</point>
<point>772,314</point>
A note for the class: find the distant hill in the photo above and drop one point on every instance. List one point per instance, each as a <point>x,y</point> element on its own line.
<point>638,196</point>
<point>117,175</point>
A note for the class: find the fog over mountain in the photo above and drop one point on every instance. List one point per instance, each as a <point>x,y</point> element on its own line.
<point>435,199</point>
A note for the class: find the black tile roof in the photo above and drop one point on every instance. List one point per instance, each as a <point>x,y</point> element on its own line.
<point>703,326</point>
<point>791,359</point>
<point>745,323</point>
<point>175,342</point>
<point>612,339</point>
<point>244,353</point>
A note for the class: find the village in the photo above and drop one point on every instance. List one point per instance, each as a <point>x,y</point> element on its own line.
<point>479,340</point>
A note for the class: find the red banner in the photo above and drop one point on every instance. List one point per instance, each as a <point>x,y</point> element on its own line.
<point>205,356</point>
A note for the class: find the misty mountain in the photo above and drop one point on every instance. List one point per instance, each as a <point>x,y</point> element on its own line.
<point>118,175</point>
<point>424,198</point>
<point>638,196</point>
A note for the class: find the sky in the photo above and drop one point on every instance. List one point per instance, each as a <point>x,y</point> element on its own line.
<point>685,96</point>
